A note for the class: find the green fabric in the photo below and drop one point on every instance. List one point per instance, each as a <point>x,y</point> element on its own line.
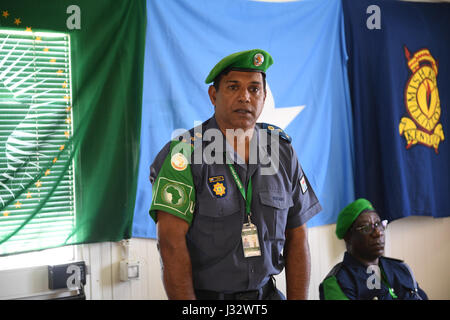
<point>255,59</point>
<point>349,214</point>
<point>332,290</point>
<point>107,57</point>
<point>174,189</point>
<point>247,197</point>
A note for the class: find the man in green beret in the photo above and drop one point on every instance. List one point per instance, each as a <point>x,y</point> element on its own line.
<point>227,227</point>
<point>364,273</point>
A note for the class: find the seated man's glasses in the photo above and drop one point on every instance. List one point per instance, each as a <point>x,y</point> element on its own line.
<point>369,228</point>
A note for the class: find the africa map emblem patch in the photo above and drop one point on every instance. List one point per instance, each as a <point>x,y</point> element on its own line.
<point>173,195</point>
<point>218,186</point>
<point>422,102</point>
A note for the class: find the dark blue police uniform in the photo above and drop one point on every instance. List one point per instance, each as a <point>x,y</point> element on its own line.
<point>280,201</point>
<point>349,280</point>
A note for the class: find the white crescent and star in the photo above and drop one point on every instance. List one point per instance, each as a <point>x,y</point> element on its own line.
<point>280,117</point>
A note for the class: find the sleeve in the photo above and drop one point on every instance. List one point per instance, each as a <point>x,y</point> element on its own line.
<point>421,295</point>
<point>330,290</point>
<point>306,205</point>
<point>173,186</point>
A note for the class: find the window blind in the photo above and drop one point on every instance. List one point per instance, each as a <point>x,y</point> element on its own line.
<point>37,192</point>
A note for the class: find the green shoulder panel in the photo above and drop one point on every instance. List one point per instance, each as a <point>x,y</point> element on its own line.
<point>173,190</point>
<point>332,290</point>
<point>273,129</point>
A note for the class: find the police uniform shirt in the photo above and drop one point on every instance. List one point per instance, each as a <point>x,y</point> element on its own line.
<point>350,280</point>
<point>215,210</point>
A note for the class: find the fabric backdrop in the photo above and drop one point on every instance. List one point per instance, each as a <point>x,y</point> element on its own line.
<point>399,78</point>
<point>308,94</point>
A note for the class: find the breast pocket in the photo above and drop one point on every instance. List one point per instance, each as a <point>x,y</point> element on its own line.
<point>275,207</point>
<point>217,225</point>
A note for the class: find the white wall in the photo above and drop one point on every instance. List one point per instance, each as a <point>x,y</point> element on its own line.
<point>103,280</point>
<point>423,242</point>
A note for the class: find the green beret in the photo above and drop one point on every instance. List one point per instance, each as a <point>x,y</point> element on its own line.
<point>255,59</point>
<point>349,214</point>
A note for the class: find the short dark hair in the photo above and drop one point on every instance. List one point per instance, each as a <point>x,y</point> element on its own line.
<point>216,82</point>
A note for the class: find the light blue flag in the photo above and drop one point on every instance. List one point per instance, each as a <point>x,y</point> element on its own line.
<point>308,88</point>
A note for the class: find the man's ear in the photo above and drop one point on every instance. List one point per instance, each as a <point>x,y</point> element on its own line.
<point>347,240</point>
<point>347,236</point>
<point>212,94</point>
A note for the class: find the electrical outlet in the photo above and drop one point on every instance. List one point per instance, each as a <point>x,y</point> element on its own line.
<point>129,270</point>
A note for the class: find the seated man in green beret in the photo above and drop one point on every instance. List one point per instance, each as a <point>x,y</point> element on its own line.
<point>365,274</point>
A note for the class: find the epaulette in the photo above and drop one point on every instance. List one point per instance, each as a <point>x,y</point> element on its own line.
<point>191,135</point>
<point>275,130</point>
<point>393,259</point>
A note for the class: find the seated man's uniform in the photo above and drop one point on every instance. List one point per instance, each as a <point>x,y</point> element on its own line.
<point>349,279</point>
<point>364,273</point>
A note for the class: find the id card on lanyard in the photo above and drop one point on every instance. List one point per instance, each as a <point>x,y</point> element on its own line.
<point>249,234</point>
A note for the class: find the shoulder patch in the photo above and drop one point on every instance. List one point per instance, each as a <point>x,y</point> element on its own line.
<point>273,129</point>
<point>179,161</point>
<point>332,290</point>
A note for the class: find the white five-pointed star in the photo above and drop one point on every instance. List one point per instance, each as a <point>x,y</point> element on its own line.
<point>280,117</point>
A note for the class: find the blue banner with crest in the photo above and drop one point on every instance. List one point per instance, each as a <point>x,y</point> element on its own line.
<point>400,102</point>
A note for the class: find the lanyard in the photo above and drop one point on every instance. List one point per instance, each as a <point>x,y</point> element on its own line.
<point>247,197</point>
<point>391,291</point>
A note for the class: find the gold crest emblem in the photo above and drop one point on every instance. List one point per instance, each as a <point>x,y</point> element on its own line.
<point>422,102</point>
<point>218,186</point>
<point>219,189</point>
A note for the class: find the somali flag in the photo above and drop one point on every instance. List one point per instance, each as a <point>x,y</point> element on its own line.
<point>307,85</point>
